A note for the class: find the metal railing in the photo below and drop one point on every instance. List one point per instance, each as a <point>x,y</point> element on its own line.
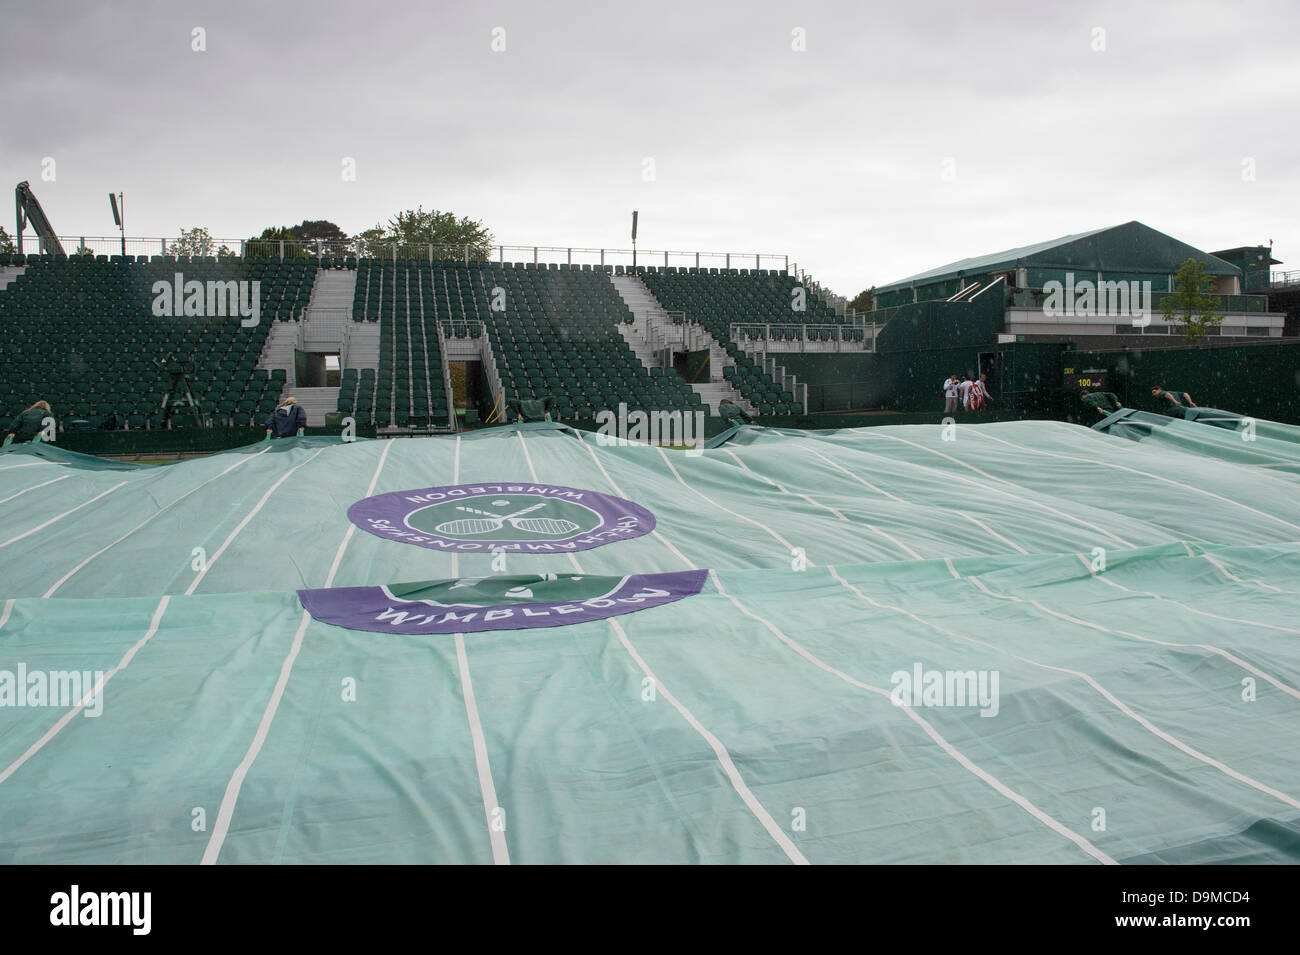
<point>1284,279</point>
<point>681,335</point>
<point>787,338</point>
<point>358,248</point>
<point>838,303</point>
<point>459,339</point>
<point>446,375</point>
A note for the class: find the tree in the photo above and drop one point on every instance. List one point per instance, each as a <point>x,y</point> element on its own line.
<point>322,237</point>
<point>196,241</point>
<point>6,243</point>
<point>865,301</point>
<point>369,243</point>
<point>414,230</point>
<point>267,245</point>
<point>1190,303</point>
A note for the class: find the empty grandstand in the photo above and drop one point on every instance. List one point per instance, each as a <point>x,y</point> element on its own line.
<point>86,333</point>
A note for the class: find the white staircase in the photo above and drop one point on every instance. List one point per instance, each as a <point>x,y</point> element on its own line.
<point>363,346</point>
<point>9,273</point>
<point>651,323</point>
<point>277,351</point>
<point>332,290</point>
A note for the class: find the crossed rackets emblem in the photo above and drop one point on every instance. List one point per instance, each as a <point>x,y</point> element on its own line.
<point>488,523</point>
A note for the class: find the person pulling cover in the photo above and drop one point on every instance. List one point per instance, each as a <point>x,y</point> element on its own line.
<point>287,420</point>
<point>29,425</point>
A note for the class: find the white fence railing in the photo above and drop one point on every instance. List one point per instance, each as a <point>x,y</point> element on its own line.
<point>1284,278</point>
<point>357,248</point>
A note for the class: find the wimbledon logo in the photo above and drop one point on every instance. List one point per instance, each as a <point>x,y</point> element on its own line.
<point>528,518</point>
<point>475,604</point>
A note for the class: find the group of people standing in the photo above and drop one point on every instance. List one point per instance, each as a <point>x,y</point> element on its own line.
<point>965,393</point>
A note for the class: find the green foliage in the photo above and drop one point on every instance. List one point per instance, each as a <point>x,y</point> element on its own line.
<point>6,241</point>
<point>1190,304</point>
<point>408,234</point>
<point>369,243</point>
<point>267,245</point>
<point>413,231</point>
<point>865,301</point>
<point>322,237</point>
<point>196,241</point>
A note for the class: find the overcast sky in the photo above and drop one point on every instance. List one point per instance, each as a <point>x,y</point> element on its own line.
<point>901,137</point>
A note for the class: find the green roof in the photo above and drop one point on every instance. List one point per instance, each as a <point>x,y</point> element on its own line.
<point>1131,247</point>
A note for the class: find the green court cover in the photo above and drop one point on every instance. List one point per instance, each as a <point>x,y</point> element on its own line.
<point>1022,642</point>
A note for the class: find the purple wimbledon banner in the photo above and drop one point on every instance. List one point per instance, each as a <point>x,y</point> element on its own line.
<point>472,605</point>
<point>512,516</point>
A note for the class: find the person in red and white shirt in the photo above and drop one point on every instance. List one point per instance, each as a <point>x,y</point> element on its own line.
<point>979,396</point>
<point>966,387</point>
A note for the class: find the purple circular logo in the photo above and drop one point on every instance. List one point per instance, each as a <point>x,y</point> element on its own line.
<point>476,604</point>
<point>526,518</point>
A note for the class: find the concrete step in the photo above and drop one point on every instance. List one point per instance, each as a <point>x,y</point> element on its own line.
<point>9,273</point>
<point>333,289</point>
<point>317,402</point>
<point>650,316</point>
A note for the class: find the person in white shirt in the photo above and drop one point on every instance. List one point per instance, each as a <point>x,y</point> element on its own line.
<point>979,394</point>
<point>965,387</point>
<point>951,393</point>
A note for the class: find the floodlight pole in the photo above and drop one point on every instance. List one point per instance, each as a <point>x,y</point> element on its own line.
<point>634,215</point>
<point>118,202</point>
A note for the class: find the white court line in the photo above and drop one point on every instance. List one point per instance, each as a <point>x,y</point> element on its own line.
<point>1124,467</point>
<point>1290,691</point>
<point>61,516</point>
<point>867,524</point>
<point>30,464</point>
<point>66,577</point>
<point>1110,697</point>
<point>455,479</point>
<point>720,507</point>
<point>719,749</point>
<point>619,491</point>
<point>1178,603</point>
<point>536,480</point>
<point>227,810</point>
<point>952,510</point>
<point>984,776</point>
<point>236,782</point>
<point>338,555</point>
<point>244,523</point>
<point>4,617</point>
<point>67,717</point>
<point>1106,694</point>
<point>1092,682</point>
<point>500,852</point>
<point>6,500</point>
<point>1022,497</point>
<point>929,730</point>
<point>1239,580</point>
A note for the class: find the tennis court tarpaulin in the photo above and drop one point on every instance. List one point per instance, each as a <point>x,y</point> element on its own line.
<point>1017,642</point>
